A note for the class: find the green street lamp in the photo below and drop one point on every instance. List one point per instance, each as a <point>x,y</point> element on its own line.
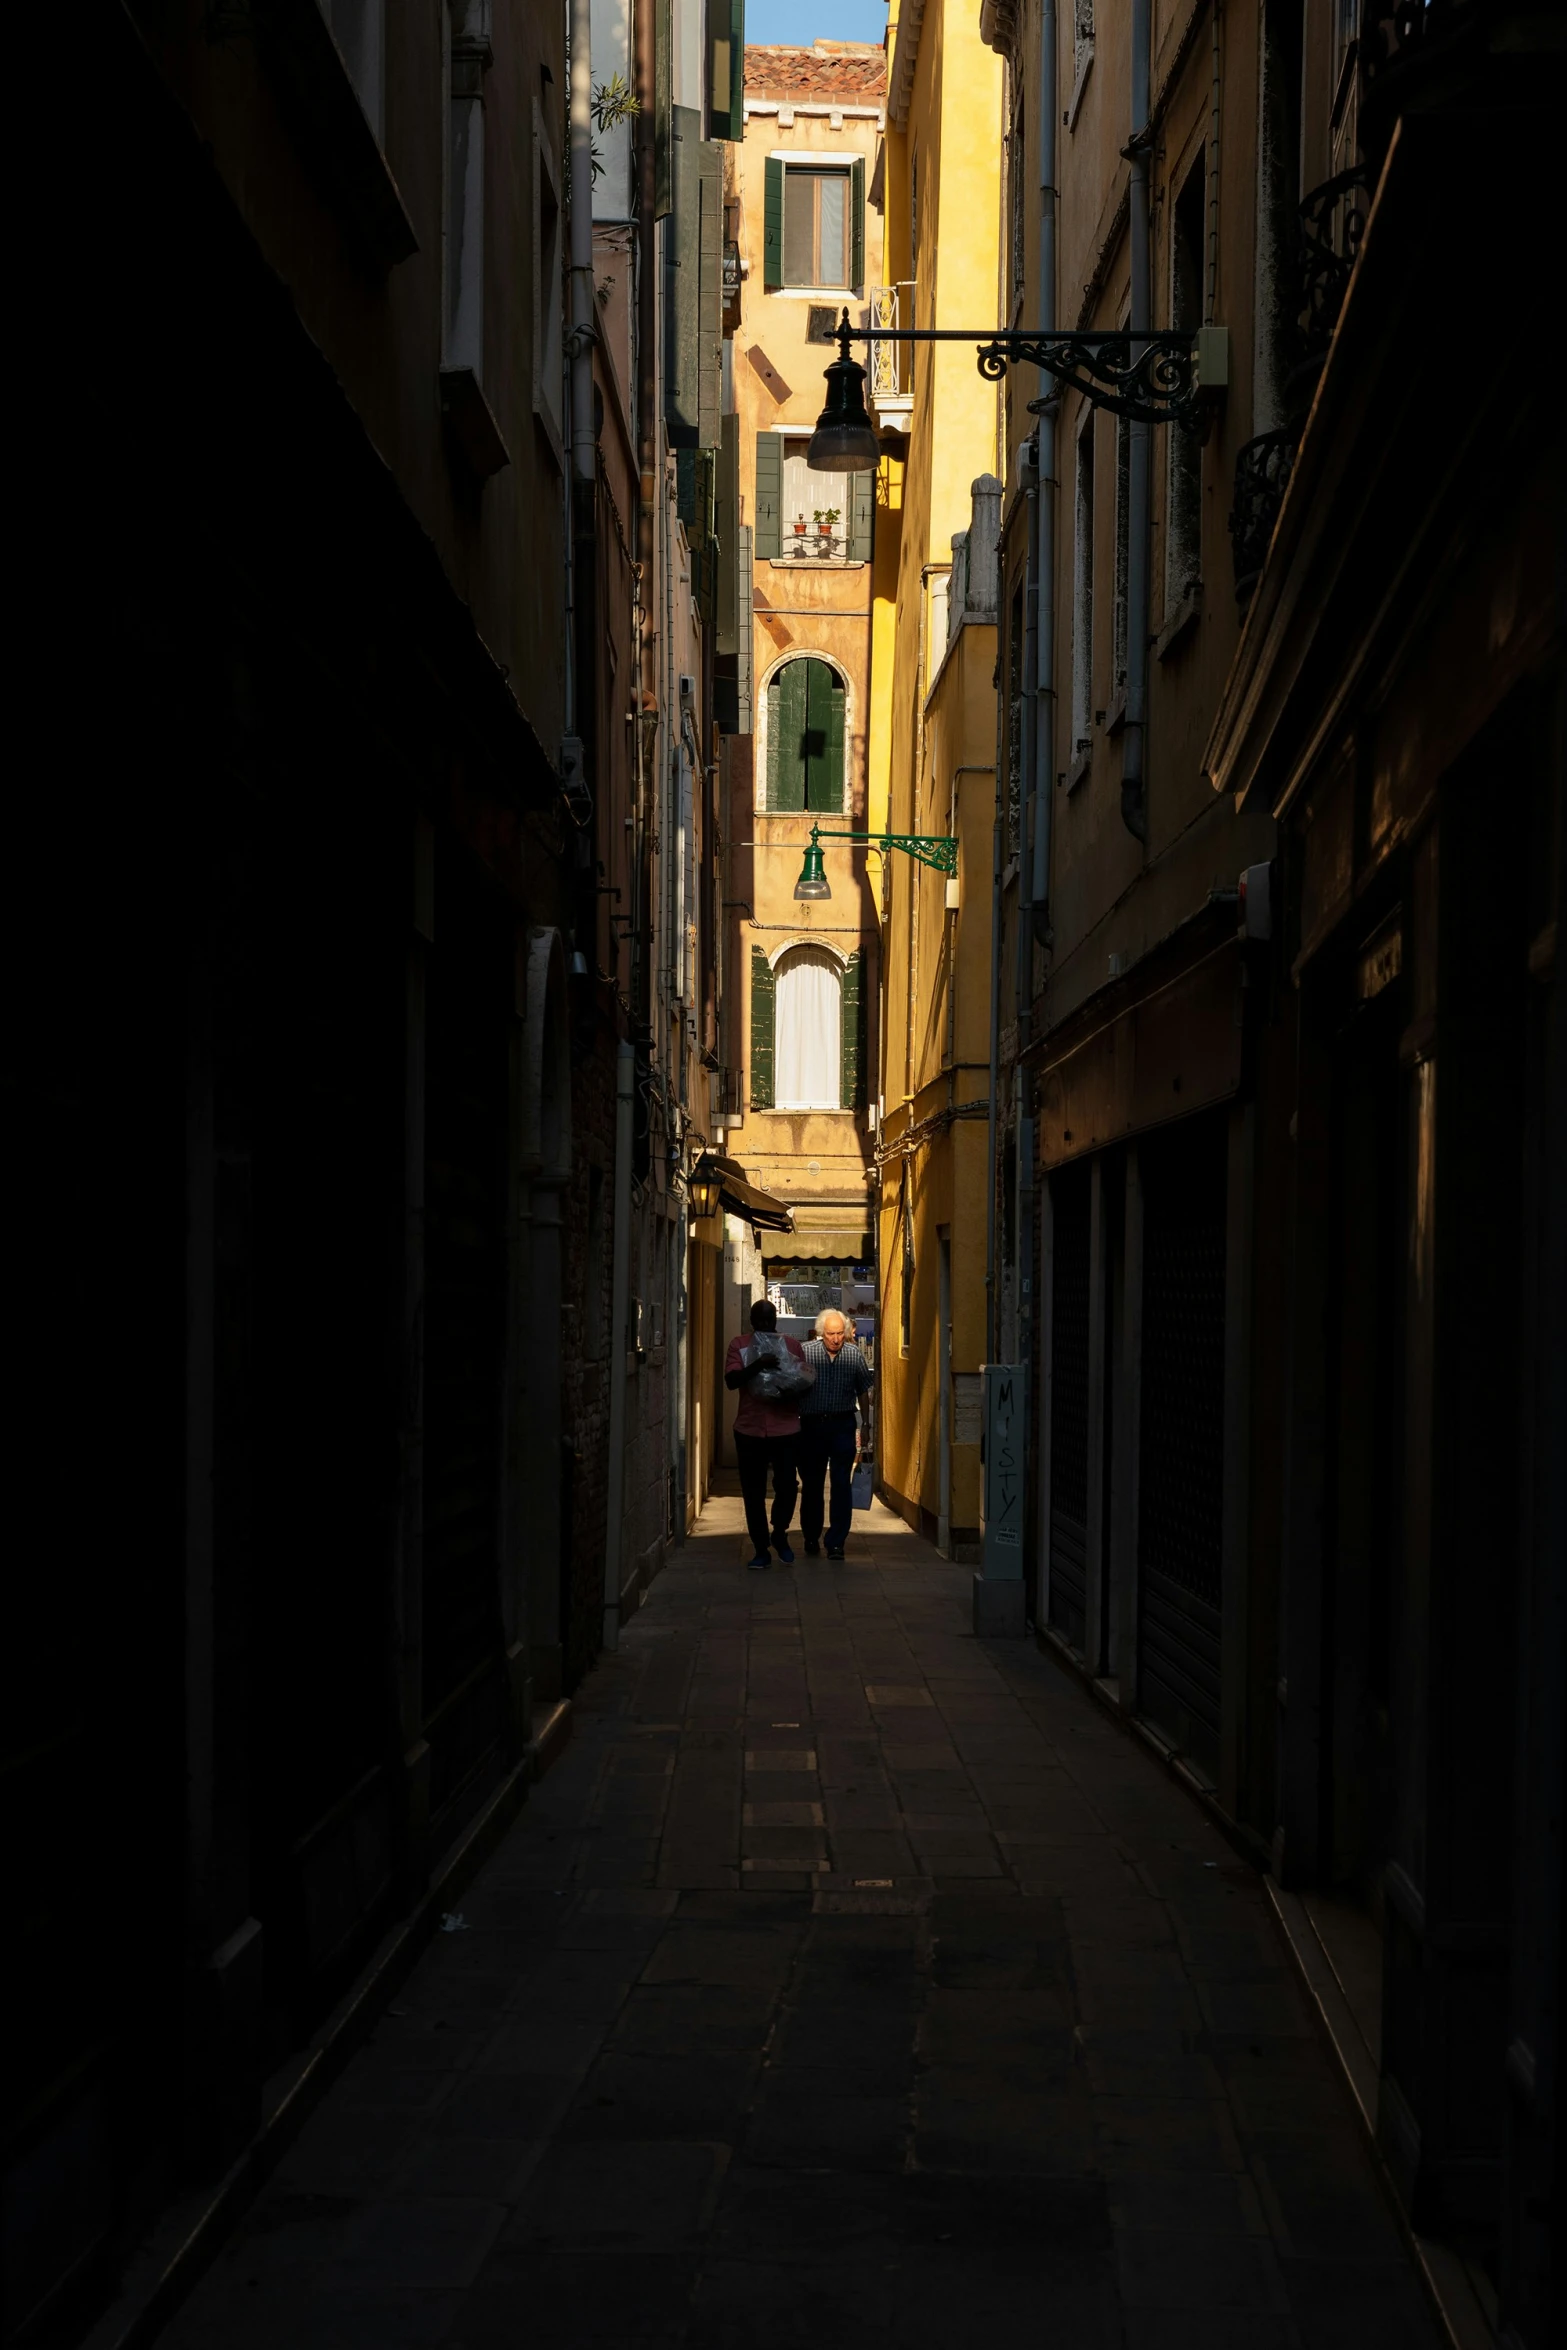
<point>928,848</point>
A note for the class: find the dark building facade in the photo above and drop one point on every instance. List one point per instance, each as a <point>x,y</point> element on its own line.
<point>342,917</point>
<point>1281,1175</point>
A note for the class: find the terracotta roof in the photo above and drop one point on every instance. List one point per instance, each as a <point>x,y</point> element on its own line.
<point>853,71</point>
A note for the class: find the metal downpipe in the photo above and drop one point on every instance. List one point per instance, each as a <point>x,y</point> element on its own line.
<point>1134,781</point>
<point>1045,439</point>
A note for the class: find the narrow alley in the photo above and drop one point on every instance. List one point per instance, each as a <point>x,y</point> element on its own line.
<point>848,1978</point>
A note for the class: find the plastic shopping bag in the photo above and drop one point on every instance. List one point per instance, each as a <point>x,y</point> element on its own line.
<point>862,1489</point>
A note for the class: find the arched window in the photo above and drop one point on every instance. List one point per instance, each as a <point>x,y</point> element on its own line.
<point>808,1051</point>
<point>805,738</point>
<point>807,1030</point>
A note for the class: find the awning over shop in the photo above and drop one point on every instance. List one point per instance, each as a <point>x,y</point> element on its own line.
<point>850,1245</point>
<point>743,1199</point>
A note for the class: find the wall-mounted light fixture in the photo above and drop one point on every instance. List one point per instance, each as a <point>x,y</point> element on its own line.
<point>1155,377</point>
<point>927,848</point>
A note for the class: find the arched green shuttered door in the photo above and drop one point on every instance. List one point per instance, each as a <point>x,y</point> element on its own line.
<point>805,738</point>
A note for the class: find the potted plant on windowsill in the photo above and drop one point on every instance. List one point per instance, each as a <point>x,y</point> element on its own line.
<point>799,533</point>
<point>825,519</point>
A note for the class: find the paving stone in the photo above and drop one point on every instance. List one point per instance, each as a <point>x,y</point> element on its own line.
<point>681,2083</point>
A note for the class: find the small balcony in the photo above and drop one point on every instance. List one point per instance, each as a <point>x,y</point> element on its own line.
<point>890,375</point>
<point>806,541</point>
<point>1331,223</point>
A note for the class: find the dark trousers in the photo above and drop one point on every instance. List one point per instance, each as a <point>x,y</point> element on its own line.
<point>826,1442</point>
<point>756,1454</point>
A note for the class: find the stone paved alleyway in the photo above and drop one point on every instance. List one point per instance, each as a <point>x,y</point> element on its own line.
<point>847,1979</point>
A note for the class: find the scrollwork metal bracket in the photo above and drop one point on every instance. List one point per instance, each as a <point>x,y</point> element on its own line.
<point>1151,377</point>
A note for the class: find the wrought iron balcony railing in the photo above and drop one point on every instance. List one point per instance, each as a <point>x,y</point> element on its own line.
<point>1332,222</point>
<point>813,542</point>
<point>1262,471</point>
<point>890,374</point>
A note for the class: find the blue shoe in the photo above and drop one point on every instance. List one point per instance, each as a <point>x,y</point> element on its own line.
<point>783,1550</point>
<point>760,1564</point>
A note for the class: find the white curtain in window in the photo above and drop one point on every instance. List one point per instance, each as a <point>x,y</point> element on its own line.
<point>808,1032</point>
<point>807,493</point>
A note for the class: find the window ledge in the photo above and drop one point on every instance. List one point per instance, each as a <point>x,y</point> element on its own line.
<point>323,111</point>
<point>1180,623</point>
<point>1115,716</point>
<point>471,423</point>
<point>817,562</point>
<point>1078,772</point>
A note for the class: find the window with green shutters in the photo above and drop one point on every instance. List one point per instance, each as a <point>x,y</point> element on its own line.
<point>853,1063</point>
<point>693,285</point>
<point>768,520</point>
<point>763,994</point>
<point>790,495</point>
<point>805,725</point>
<point>726,78</point>
<point>813,225</point>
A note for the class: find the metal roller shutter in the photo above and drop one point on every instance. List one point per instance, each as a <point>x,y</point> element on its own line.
<point>1069,1199</point>
<point>1181,1477</point>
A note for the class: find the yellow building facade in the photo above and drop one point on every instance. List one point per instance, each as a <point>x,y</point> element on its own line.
<point>933,761</point>
<point>805,221</point>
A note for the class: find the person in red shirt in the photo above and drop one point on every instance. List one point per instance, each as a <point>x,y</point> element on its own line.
<point>767,1436</point>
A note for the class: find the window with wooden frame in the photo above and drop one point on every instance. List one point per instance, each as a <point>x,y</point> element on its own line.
<point>807,517</point>
<point>805,738</point>
<point>813,225</point>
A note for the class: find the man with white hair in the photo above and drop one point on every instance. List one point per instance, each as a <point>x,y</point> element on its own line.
<point>829,1437</point>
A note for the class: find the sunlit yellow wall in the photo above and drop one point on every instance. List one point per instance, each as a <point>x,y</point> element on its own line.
<point>940,717</point>
<point>818,1161</point>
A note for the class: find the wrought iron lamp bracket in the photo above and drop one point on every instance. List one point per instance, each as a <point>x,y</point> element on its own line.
<point>936,850</point>
<point>1151,377</point>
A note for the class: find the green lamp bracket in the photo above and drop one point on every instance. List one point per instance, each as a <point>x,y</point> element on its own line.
<point>933,849</point>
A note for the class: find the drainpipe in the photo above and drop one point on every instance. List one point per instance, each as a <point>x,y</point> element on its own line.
<point>1134,787</point>
<point>1045,437</point>
<point>1023,971</point>
<point>583,330</point>
<point>619,1311</point>
<point>995,1040</point>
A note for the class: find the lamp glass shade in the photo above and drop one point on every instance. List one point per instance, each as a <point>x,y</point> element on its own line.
<point>703,1190</point>
<point>813,882</point>
<point>845,438</point>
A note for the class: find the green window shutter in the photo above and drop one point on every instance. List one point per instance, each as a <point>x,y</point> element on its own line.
<point>710,296</point>
<point>737,69</point>
<point>830,795</point>
<point>762,994</point>
<point>683,279</point>
<point>744,672</point>
<point>857,226</point>
<point>854,1031</point>
<point>772,224</point>
<point>769,496</point>
<point>786,722</point>
<point>823,740</point>
<point>862,516</point>
<point>726,518</point>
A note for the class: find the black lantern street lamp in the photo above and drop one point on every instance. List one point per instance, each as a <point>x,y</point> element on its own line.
<point>845,438</point>
<point>703,1187</point>
<point>1153,377</point>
